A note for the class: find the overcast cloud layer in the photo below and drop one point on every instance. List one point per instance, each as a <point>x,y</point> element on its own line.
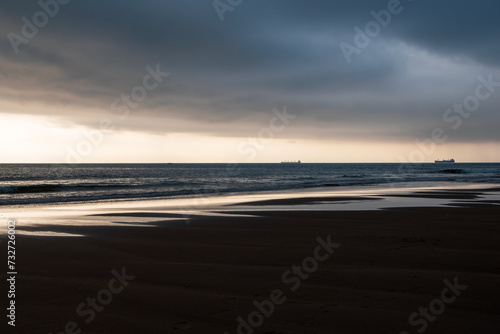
<point>227,76</point>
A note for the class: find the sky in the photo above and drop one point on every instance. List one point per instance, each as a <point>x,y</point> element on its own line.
<point>249,81</point>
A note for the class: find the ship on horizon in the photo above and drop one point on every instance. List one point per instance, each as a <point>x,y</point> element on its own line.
<point>291,162</point>
<point>449,161</point>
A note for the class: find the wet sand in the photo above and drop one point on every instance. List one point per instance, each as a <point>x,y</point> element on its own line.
<point>199,275</point>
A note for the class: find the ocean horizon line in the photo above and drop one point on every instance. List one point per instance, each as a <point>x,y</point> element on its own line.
<point>234,163</point>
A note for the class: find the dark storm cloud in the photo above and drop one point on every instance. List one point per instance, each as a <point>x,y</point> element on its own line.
<point>227,76</point>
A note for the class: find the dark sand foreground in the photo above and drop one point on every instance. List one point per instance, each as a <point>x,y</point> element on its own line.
<point>200,277</point>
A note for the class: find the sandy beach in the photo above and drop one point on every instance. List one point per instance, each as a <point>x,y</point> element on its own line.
<point>307,264</point>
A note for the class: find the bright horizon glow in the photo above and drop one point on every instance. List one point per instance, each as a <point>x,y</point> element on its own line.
<point>39,139</point>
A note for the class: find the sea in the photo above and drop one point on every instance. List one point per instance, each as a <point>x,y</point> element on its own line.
<point>37,184</point>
